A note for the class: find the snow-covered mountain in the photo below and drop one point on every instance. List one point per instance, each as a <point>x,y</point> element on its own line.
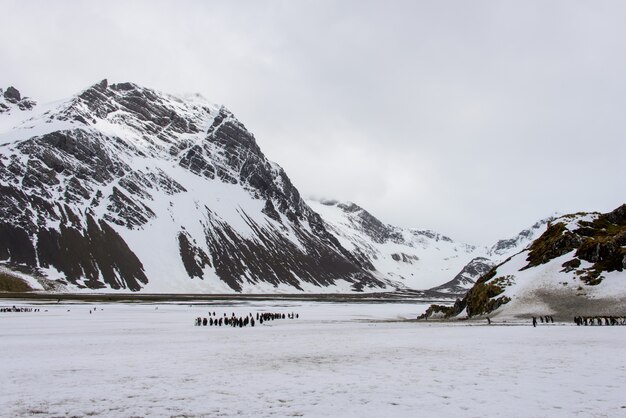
<point>416,258</point>
<point>491,256</point>
<point>413,258</point>
<point>123,187</point>
<point>576,267</point>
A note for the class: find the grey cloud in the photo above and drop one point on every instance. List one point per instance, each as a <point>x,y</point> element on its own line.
<point>472,118</point>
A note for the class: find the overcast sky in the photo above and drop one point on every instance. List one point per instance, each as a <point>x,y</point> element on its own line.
<point>472,118</point>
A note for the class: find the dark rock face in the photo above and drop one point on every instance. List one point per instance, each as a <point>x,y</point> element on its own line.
<point>555,242</point>
<point>16,245</point>
<point>69,197</point>
<point>195,161</point>
<point>275,259</point>
<point>404,258</point>
<point>12,95</point>
<point>570,265</point>
<point>194,258</point>
<point>81,154</point>
<point>603,244</point>
<point>617,216</point>
<point>26,104</point>
<point>125,212</point>
<point>13,98</point>
<point>80,254</point>
<point>97,250</point>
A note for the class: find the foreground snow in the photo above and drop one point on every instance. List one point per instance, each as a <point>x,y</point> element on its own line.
<point>352,359</point>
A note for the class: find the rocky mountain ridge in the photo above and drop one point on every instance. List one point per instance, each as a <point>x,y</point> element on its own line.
<point>415,258</point>
<point>124,188</point>
<point>11,98</point>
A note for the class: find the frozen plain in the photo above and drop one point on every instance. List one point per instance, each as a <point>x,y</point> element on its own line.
<point>338,359</point>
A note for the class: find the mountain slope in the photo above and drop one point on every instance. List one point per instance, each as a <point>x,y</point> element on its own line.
<point>465,279</point>
<point>122,187</point>
<point>413,258</point>
<point>491,256</point>
<point>576,267</point>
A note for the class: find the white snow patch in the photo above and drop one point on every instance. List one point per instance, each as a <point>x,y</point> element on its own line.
<point>336,360</point>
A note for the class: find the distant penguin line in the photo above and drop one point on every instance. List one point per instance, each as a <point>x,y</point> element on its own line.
<point>235,321</point>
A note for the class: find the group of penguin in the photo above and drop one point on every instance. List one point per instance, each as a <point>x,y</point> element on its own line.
<point>18,309</point>
<point>597,320</point>
<point>241,321</point>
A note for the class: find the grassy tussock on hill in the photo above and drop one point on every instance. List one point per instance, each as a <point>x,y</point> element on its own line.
<point>599,245</point>
<point>10,283</point>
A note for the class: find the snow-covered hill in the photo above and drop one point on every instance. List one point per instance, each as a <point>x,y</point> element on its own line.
<point>125,188</point>
<point>576,267</point>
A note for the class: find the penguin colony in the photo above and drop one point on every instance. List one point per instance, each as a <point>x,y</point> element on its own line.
<point>18,309</point>
<point>241,321</point>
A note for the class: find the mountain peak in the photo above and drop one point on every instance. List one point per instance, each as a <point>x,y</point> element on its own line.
<point>12,98</point>
<point>11,94</point>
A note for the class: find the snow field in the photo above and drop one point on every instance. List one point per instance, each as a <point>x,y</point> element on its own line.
<point>338,359</point>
